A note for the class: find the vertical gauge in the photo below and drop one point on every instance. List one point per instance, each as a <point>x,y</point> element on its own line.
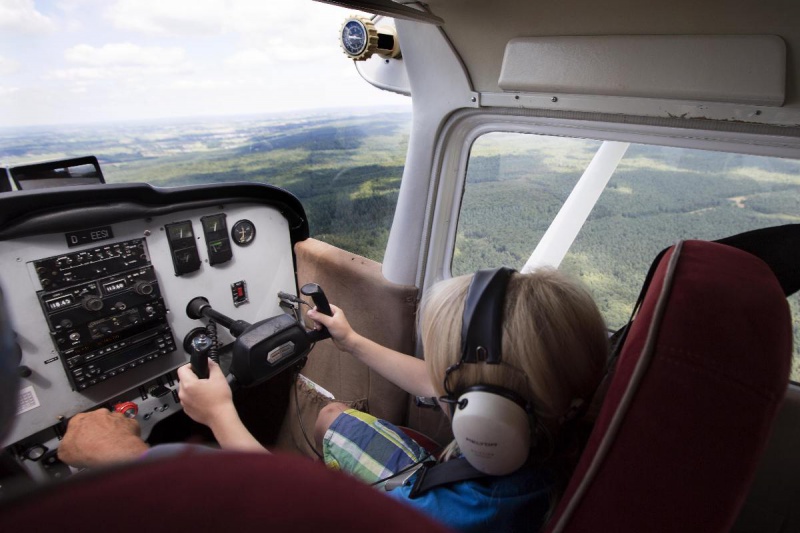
<point>185,257</point>
<point>243,232</point>
<point>218,244</point>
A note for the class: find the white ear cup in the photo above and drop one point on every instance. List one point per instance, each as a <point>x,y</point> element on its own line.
<point>493,432</point>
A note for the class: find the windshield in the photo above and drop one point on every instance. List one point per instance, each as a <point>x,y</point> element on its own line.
<point>190,92</point>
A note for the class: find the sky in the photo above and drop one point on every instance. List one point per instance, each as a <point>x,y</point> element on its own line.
<point>76,61</point>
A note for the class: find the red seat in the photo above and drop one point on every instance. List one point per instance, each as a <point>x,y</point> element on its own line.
<point>689,409</point>
<point>212,492</point>
<point>430,445</point>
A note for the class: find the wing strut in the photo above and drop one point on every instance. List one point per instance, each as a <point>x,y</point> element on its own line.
<point>565,226</point>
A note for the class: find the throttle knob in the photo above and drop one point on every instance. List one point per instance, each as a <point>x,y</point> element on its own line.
<point>128,409</point>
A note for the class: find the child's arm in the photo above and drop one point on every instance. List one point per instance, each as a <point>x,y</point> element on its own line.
<point>405,371</point>
<point>210,402</point>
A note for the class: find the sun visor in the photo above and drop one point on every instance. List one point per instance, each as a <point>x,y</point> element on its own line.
<point>744,69</point>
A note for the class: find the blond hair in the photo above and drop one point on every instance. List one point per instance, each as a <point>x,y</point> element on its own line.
<point>554,344</point>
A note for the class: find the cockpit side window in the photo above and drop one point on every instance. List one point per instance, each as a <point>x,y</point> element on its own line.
<point>517,183</point>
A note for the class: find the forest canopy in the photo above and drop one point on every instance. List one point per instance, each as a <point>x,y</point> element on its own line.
<point>346,169</point>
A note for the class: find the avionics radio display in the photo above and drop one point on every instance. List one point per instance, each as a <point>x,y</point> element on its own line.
<point>104,310</point>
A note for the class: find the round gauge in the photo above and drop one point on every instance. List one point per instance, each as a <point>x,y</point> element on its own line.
<point>354,37</point>
<point>360,38</point>
<point>243,232</point>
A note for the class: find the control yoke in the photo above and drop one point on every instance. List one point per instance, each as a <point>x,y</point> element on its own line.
<point>263,349</point>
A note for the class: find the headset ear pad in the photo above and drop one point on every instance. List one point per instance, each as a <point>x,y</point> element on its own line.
<point>492,431</point>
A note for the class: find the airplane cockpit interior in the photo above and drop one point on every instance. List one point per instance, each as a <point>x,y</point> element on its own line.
<point>105,312</point>
<point>182,184</point>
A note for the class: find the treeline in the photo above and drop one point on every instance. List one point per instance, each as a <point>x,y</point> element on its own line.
<point>653,200</point>
<point>347,172</point>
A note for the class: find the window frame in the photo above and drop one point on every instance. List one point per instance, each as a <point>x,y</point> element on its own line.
<point>465,127</point>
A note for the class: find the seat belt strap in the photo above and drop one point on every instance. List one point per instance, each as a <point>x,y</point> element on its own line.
<point>442,474</point>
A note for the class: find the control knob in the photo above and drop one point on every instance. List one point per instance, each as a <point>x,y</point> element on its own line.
<point>92,303</point>
<point>35,452</point>
<point>143,288</point>
<point>128,409</point>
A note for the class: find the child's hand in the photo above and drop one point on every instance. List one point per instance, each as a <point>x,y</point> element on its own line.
<point>205,400</point>
<point>338,326</point>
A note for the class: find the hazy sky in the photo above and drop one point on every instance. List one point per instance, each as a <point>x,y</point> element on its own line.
<point>72,61</point>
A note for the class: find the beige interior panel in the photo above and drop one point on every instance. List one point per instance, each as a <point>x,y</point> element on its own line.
<point>480,30</point>
<point>745,69</point>
<point>379,310</point>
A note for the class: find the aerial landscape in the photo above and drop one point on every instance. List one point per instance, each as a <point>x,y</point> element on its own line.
<point>346,169</point>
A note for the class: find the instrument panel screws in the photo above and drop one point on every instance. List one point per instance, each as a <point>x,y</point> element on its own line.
<point>147,233</point>
<point>473,99</point>
<point>554,99</point>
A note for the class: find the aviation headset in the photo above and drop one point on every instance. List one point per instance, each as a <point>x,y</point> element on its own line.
<point>492,425</point>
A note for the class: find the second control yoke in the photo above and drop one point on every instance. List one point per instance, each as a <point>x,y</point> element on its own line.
<point>263,349</point>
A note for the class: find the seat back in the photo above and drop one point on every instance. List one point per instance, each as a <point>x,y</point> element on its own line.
<point>689,408</point>
<point>220,491</point>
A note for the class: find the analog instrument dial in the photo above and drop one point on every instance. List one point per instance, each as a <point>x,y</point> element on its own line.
<point>243,232</point>
<point>358,38</point>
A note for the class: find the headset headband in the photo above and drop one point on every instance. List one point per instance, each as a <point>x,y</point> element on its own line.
<point>482,327</point>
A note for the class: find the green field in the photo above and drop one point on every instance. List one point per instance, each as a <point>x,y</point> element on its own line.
<point>346,170</point>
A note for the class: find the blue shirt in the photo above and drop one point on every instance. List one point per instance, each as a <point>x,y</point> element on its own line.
<point>516,502</point>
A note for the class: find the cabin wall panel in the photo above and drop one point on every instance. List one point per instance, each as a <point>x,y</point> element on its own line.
<point>747,69</point>
<point>480,30</point>
<point>377,309</point>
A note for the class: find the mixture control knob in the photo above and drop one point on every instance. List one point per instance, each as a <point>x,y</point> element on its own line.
<point>143,288</point>
<point>92,303</point>
<point>128,409</point>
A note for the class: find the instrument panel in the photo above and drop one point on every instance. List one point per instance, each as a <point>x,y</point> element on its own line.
<point>100,311</point>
